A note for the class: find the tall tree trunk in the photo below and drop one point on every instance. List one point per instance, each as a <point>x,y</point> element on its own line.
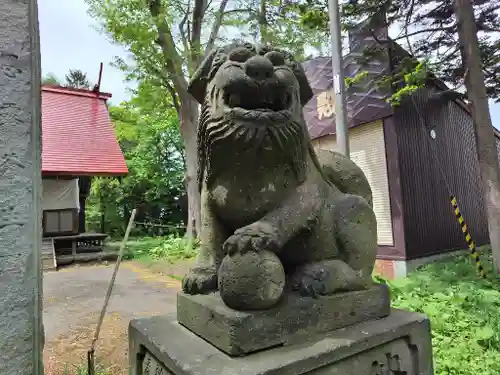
<point>21,341</point>
<point>126,217</point>
<point>81,214</point>
<point>84,183</point>
<point>186,106</point>
<point>263,25</point>
<point>103,213</point>
<point>485,138</point>
<point>188,117</point>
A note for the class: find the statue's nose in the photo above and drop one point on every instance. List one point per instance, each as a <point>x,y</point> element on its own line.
<point>259,67</point>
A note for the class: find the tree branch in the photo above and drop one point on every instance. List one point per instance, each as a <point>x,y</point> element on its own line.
<point>407,22</point>
<point>182,30</point>
<point>239,10</point>
<point>209,2</point>
<point>446,55</point>
<point>262,20</point>
<point>167,44</point>
<point>165,81</point>
<point>431,30</point>
<point>197,22</point>
<point>173,94</point>
<point>215,27</point>
<point>490,29</point>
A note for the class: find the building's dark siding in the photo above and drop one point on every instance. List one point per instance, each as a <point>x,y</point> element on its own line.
<point>430,224</point>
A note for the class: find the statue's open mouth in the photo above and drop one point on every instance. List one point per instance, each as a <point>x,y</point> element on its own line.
<point>275,103</point>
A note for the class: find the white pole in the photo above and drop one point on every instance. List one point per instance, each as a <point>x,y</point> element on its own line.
<point>342,133</point>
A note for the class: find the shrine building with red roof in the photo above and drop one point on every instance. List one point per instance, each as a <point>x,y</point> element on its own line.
<point>78,142</point>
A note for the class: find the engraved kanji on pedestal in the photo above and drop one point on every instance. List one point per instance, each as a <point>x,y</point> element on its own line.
<point>391,365</point>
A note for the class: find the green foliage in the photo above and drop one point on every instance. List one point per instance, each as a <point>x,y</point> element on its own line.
<point>74,78</point>
<point>277,23</point>
<point>171,248</point>
<point>426,29</point>
<point>408,80</point>
<point>167,41</point>
<point>462,307</point>
<point>168,61</point>
<point>463,310</point>
<point>148,132</point>
<point>129,23</point>
<point>313,14</point>
<point>136,245</point>
<point>50,79</point>
<point>77,79</point>
<point>349,81</point>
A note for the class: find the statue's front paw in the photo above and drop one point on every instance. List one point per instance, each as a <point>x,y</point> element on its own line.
<point>199,281</point>
<point>254,237</point>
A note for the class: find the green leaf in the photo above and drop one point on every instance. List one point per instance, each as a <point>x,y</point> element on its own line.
<point>484,333</point>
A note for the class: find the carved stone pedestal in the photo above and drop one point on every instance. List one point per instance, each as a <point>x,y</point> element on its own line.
<point>399,344</point>
<point>240,333</point>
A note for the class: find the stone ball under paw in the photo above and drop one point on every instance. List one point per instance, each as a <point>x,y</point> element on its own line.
<point>252,281</point>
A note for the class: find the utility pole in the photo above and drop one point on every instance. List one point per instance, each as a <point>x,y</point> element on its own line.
<point>338,84</point>
<point>483,127</point>
<point>21,330</point>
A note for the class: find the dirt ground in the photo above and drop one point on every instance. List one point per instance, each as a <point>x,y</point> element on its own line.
<point>73,298</point>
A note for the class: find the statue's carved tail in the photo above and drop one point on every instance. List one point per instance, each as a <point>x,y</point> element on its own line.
<point>344,174</point>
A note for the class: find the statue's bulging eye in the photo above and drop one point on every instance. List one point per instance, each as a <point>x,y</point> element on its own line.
<point>240,54</point>
<point>276,58</point>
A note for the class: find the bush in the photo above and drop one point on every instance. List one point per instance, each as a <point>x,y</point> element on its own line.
<point>170,248</point>
<point>464,311</point>
<point>174,248</point>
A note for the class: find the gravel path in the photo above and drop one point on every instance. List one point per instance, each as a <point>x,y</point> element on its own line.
<point>73,299</point>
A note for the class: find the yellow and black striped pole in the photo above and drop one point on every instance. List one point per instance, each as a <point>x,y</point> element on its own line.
<point>470,243</point>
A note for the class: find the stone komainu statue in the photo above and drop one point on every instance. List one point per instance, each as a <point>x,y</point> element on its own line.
<point>264,188</point>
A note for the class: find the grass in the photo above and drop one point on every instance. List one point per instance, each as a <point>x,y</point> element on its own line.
<point>464,309</point>
<point>150,249</point>
<point>66,354</point>
<point>81,370</point>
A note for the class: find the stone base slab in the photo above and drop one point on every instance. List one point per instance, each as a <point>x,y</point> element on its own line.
<point>399,344</point>
<point>238,333</point>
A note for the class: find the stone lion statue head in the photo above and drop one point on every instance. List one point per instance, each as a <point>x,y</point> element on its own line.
<point>252,97</point>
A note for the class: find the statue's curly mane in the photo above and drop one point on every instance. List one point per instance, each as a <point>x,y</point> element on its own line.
<point>291,140</point>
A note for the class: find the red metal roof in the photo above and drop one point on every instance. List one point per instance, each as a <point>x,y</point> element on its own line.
<point>77,135</point>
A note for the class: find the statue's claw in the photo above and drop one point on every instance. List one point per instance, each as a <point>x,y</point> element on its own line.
<point>254,237</point>
<point>200,281</point>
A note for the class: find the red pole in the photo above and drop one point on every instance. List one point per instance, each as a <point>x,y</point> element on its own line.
<point>97,87</point>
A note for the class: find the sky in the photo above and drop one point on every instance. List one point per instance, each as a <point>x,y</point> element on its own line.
<point>69,40</point>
